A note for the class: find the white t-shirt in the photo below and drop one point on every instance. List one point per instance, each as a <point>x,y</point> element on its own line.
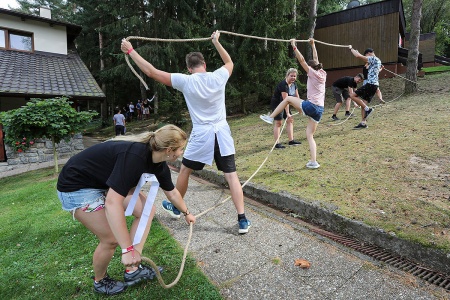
<point>204,94</point>
<point>120,119</point>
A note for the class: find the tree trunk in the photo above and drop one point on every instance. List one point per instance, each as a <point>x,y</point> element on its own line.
<point>244,111</point>
<point>102,66</point>
<point>413,49</point>
<point>311,25</point>
<point>55,156</point>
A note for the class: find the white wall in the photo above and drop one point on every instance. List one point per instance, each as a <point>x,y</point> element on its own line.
<point>46,38</point>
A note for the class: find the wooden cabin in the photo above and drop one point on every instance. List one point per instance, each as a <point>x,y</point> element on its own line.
<point>380,26</point>
<point>427,46</point>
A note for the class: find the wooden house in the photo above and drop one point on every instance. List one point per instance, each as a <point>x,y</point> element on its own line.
<point>427,46</point>
<point>380,26</point>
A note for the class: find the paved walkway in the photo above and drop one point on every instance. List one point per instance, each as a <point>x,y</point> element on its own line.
<point>260,264</point>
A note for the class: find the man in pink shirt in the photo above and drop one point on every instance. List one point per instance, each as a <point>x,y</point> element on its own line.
<point>313,106</point>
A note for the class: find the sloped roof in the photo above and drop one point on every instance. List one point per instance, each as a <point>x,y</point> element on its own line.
<point>42,74</point>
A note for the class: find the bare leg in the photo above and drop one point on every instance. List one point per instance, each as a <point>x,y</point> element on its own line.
<point>290,128</point>
<point>236,191</point>
<point>363,113</point>
<point>358,100</point>
<point>336,108</point>
<point>276,130</point>
<point>183,179</point>
<point>310,130</point>
<point>348,102</point>
<point>294,101</point>
<point>97,223</point>
<point>380,96</point>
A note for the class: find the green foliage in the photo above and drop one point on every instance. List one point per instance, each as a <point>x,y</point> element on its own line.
<point>52,118</point>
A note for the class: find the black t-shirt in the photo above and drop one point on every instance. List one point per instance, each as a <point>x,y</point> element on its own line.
<point>284,87</point>
<point>345,82</point>
<point>112,164</point>
<point>365,72</point>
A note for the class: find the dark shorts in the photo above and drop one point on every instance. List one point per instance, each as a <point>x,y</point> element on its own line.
<point>367,91</point>
<point>120,130</point>
<point>340,94</point>
<point>273,104</point>
<point>225,164</point>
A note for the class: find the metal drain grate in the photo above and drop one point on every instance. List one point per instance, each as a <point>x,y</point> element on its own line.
<point>396,261</point>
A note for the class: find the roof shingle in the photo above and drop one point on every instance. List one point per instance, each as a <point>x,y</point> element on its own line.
<point>46,74</point>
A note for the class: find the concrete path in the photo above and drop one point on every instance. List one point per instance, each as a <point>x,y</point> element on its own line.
<point>260,264</point>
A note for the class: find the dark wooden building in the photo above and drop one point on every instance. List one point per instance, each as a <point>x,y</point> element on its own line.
<point>427,46</point>
<point>380,26</point>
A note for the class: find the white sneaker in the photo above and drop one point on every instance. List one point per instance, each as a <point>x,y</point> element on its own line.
<point>312,165</point>
<point>266,119</point>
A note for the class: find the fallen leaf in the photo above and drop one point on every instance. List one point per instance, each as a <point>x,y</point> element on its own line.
<point>302,263</point>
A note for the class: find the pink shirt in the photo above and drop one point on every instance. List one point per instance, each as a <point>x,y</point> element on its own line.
<point>315,86</point>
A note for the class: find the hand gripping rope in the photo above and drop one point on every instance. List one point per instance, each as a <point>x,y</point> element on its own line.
<point>151,178</point>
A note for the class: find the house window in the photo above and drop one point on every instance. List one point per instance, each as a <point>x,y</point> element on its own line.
<point>16,40</point>
<point>2,38</point>
<point>20,41</point>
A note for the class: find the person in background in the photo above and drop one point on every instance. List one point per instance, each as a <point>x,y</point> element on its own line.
<point>286,87</point>
<point>146,109</point>
<point>313,106</point>
<point>341,91</point>
<point>119,122</point>
<point>139,109</point>
<point>364,94</point>
<point>131,112</point>
<point>378,92</point>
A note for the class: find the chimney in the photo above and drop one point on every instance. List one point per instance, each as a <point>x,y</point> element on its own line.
<point>45,12</point>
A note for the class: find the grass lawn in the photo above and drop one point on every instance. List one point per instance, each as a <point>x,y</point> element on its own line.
<point>395,175</point>
<point>437,69</point>
<point>45,254</point>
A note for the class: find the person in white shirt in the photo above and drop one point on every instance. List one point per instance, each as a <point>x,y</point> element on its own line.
<point>131,108</point>
<point>210,139</point>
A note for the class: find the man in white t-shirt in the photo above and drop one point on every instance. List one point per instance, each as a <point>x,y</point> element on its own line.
<point>131,113</point>
<point>210,139</point>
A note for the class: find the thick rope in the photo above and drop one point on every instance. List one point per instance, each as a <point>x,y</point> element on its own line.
<point>207,39</point>
<point>415,82</point>
<point>155,267</point>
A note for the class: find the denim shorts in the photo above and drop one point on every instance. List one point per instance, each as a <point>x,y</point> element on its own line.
<point>311,110</point>
<point>88,200</point>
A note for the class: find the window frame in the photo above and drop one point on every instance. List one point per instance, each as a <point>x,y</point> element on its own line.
<point>9,31</point>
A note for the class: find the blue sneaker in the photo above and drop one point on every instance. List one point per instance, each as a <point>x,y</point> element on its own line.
<point>172,210</point>
<point>244,225</point>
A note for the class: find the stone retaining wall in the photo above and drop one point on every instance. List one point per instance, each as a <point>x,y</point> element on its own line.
<point>41,151</point>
